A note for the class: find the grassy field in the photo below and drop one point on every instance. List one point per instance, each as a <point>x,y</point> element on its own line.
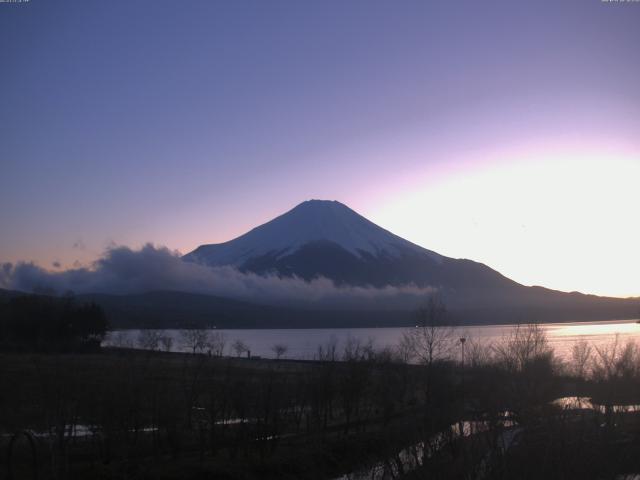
<point>126,413</point>
<point>140,415</point>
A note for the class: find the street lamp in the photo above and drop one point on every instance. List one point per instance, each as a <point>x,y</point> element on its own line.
<point>462,341</point>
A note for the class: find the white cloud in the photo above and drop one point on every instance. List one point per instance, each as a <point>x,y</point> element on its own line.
<point>122,270</point>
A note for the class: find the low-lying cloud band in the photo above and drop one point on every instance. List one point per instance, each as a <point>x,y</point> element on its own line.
<point>122,270</point>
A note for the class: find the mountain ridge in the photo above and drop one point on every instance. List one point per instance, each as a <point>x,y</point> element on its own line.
<point>465,285</point>
<point>325,238</point>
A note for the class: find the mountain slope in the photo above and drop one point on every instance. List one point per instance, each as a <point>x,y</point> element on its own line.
<point>328,239</point>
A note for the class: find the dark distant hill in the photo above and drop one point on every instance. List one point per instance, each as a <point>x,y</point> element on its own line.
<point>179,310</point>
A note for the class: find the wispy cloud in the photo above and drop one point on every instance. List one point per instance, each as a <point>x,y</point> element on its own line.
<point>122,270</point>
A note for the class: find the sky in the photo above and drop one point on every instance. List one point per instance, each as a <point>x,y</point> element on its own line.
<point>506,132</point>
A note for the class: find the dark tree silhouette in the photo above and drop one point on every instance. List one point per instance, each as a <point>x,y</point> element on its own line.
<point>40,323</point>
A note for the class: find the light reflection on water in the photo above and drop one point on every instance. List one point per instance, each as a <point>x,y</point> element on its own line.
<point>563,336</point>
<point>304,343</point>
<point>585,403</point>
<point>412,457</point>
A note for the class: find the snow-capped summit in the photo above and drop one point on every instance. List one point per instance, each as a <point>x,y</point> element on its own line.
<point>327,239</point>
<point>311,222</point>
<point>320,238</point>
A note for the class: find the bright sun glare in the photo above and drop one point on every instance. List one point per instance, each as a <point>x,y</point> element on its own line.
<point>563,221</point>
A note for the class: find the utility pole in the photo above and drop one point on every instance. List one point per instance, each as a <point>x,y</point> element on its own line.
<point>462,342</point>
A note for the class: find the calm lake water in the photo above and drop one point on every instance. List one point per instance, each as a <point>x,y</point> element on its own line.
<point>304,343</point>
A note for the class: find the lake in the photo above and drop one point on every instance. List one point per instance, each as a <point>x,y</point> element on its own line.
<point>303,343</point>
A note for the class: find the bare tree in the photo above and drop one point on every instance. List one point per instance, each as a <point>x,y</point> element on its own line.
<point>149,339</point>
<point>477,353</point>
<point>615,369</point>
<point>433,338</point>
<point>167,342</point>
<point>355,349</point>
<point>120,339</point>
<point>217,342</point>
<point>616,361</point>
<point>279,349</point>
<point>327,353</point>
<point>195,340</point>
<point>404,349</point>
<point>522,346</point>
<point>239,347</point>
<point>581,353</point>
<point>526,362</point>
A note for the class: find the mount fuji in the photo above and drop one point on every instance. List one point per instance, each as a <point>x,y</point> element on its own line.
<point>328,240</point>
<point>310,222</point>
<point>320,238</point>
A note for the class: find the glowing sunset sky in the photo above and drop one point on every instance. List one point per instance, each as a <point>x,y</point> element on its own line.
<point>505,132</point>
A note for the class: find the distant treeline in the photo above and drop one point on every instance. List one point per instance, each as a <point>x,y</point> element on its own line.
<point>172,309</point>
<point>49,324</point>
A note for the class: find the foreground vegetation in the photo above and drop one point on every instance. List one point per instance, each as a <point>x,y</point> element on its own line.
<point>420,410</point>
<point>40,323</point>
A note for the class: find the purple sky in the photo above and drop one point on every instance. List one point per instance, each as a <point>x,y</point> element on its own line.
<point>190,122</point>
